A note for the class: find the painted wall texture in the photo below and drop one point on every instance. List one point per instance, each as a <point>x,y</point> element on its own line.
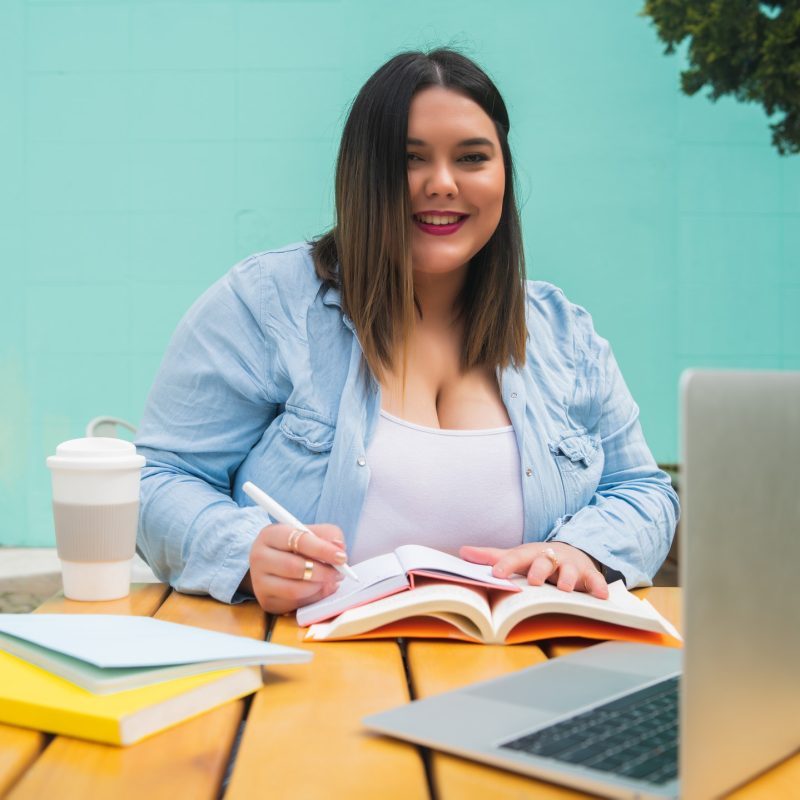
<point>145,147</point>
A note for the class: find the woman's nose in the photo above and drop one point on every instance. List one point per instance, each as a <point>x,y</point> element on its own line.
<point>441,181</point>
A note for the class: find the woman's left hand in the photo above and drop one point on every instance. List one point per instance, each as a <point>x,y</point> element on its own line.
<point>555,562</point>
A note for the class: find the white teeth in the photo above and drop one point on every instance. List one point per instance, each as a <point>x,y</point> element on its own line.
<point>429,219</point>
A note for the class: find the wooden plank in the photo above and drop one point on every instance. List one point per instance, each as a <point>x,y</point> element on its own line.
<point>144,600</point>
<point>242,619</point>
<point>665,599</point>
<point>782,781</point>
<point>188,760</point>
<point>437,666</point>
<point>19,748</point>
<point>459,779</point>
<point>304,736</point>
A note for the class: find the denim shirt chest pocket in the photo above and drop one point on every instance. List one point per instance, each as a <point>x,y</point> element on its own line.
<point>296,460</point>
<point>307,429</point>
<point>579,458</point>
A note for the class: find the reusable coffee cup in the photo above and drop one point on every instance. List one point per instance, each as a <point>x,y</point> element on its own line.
<point>96,514</point>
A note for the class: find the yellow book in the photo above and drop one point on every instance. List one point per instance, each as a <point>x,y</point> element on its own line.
<point>34,698</point>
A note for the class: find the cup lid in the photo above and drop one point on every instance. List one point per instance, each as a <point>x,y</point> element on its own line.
<point>96,452</point>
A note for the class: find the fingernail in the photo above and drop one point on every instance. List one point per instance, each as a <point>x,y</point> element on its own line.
<point>338,543</point>
<point>499,572</point>
<point>340,556</point>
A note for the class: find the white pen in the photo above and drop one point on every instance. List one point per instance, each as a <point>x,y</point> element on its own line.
<point>278,512</point>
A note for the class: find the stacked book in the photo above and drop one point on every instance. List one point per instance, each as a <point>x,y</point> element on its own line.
<point>118,679</point>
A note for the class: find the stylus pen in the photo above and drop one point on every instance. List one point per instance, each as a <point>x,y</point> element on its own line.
<point>278,512</point>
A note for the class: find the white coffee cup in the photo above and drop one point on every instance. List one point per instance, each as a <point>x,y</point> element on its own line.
<point>96,514</point>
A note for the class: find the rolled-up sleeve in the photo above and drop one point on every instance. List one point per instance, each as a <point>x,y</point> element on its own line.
<point>629,523</point>
<point>210,403</point>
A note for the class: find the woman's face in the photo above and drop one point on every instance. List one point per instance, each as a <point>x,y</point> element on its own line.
<point>456,176</point>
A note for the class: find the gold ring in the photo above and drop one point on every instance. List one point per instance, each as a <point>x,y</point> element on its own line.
<point>294,539</point>
<point>308,570</point>
<point>548,552</point>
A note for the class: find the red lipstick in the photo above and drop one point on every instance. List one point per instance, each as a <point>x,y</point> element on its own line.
<point>440,230</point>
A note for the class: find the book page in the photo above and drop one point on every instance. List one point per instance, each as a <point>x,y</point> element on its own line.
<point>462,623</point>
<point>435,599</point>
<point>621,608</point>
<point>108,680</point>
<point>113,640</point>
<point>419,558</point>
<point>378,577</point>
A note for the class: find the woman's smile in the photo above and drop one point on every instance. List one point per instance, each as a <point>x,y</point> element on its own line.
<point>440,223</point>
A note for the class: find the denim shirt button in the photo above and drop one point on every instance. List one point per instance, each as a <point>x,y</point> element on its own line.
<point>362,461</point>
<point>513,395</point>
<point>529,472</point>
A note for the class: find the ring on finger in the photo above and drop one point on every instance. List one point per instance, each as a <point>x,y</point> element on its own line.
<point>309,568</point>
<point>294,539</point>
<point>548,552</point>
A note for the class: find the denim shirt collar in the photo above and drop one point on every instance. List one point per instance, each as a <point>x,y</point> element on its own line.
<point>332,296</point>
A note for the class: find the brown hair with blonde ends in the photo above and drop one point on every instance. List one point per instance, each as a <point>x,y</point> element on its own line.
<point>367,253</point>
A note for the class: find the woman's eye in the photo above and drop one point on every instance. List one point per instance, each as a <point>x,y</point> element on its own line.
<point>469,158</point>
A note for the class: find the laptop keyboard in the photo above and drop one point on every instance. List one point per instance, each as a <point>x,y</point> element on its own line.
<point>635,736</point>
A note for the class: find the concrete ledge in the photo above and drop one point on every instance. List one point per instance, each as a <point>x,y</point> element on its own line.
<point>30,575</point>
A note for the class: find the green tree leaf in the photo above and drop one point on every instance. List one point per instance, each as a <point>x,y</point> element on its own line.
<point>743,48</point>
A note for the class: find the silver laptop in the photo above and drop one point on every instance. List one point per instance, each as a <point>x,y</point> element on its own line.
<point>606,719</point>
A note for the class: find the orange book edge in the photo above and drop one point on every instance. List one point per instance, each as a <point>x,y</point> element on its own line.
<point>547,626</point>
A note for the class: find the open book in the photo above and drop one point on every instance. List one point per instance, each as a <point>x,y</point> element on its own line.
<point>443,609</point>
<point>398,571</point>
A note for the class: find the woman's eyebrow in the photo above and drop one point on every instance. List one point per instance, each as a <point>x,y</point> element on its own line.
<point>475,142</point>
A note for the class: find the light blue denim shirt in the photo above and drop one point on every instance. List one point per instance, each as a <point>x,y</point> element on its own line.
<point>264,380</point>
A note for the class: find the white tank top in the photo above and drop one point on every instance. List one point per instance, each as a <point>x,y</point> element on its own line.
<point>441,488</point>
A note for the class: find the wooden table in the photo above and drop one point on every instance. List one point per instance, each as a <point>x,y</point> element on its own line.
<point>301,735</point>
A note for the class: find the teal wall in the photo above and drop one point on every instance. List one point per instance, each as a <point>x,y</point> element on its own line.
<point>147,146</point>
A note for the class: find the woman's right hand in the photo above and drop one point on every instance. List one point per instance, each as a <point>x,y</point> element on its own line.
<point>289,569</point>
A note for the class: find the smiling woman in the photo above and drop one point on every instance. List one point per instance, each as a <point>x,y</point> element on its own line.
<point>447,156</point>
<point>398,381</point>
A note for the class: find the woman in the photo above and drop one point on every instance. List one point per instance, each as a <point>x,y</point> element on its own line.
<point>398,380</point>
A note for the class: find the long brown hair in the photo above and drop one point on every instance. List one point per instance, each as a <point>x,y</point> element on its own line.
<point>367,253</point>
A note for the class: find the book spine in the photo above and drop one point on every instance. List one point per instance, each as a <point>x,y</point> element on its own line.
<point>60,721</point>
